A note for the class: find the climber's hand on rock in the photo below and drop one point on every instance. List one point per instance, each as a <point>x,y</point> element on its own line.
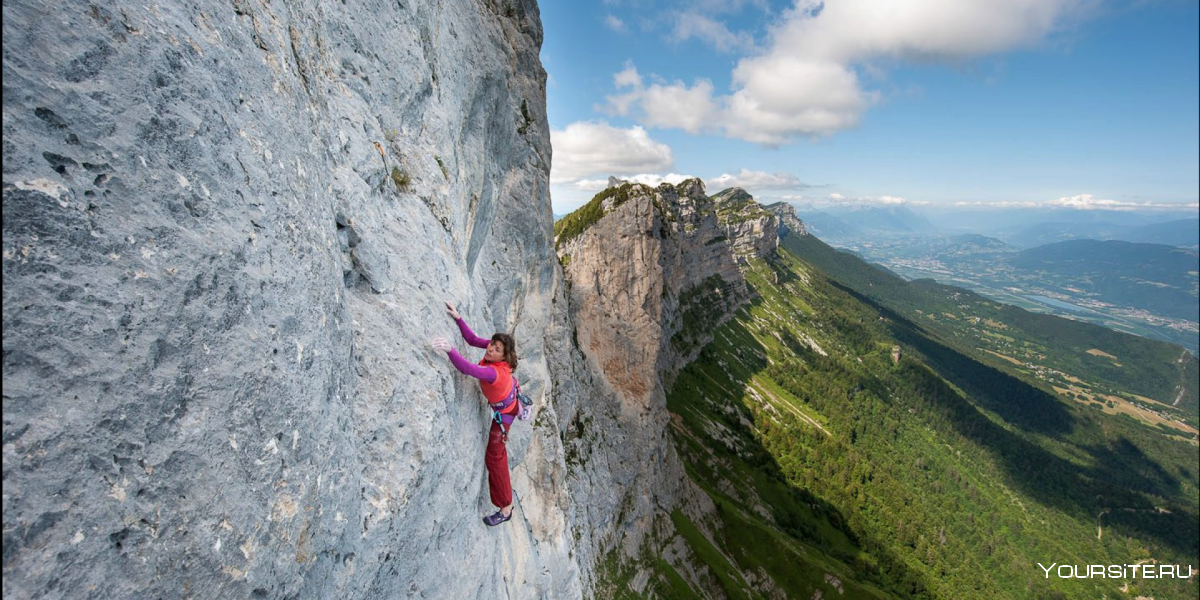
<point>452,312</point>
<point>440,343</point>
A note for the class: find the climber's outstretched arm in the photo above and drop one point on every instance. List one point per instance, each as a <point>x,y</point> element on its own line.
<point>470,336</point>
<point>467,334</point>
<point>465,367</point>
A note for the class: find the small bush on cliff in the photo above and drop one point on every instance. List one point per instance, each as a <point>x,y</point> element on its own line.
<point>527,120</point>
<point>442,166</point>
<point>401,179</point>
<point>574,224</point>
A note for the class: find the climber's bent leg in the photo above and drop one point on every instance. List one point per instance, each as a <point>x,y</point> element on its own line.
<point>496,459</point>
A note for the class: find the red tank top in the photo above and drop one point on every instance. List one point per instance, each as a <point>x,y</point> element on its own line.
<point>499,389</point>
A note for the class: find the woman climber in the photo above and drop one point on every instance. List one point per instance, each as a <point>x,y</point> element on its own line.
<point>494,373</point>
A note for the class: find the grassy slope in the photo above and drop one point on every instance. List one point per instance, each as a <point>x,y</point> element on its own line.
<point>839,467</point>
<point>972,324</point>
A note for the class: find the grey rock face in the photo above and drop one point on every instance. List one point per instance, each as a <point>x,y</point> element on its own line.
<point>789,221</point>
<point>649,281</point>
<point>750,229</point>
<point>228,230</point>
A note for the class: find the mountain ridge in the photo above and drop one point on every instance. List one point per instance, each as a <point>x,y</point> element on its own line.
<point>1155,277</point>
<point>725,425</point>
<point>1179,232</point>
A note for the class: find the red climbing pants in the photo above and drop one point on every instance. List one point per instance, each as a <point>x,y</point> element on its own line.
<point>496,459</point>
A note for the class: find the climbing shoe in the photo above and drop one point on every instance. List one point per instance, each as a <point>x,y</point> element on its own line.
<point>497,518</point>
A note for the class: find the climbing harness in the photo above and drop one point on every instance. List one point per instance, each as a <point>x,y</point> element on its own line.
<point>526,409</point>
<point>523,413</point>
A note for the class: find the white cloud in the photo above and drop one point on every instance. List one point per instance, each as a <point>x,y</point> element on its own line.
<point>628,77</point>
<point>996,204</point>
<point>590,185</point>
<point>655,180</point>
<point>853,30</point>
<point>668,105</point>
<point>589,149</point>
<point>1082,202</point>
<point>690,25</point>
<point>615,24</point>
<point>566,197</point>
<point>650,179</point>
<point>806,82</point>
<point>1090,202</point>
<point>757,180</point>
<point>884,200</point>
<point>678,106</point>
<point>781,97</point>
<point>726,6</point>
<point>621,104</point>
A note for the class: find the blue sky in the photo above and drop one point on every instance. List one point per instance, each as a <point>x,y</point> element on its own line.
<point>1091,104</point>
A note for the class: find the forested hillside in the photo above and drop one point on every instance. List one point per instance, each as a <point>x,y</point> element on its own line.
<point>1154,277</point>
<point>852,451</point>
<point>1089,361</point>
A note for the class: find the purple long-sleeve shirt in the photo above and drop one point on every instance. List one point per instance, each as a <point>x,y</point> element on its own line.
<point>470,336</point>
<point>465,366</point>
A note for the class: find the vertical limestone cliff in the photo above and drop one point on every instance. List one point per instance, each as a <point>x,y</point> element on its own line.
<point>228,230</point>
<point>750,228</point>
<point>651,272</point>
<point>789,221</point>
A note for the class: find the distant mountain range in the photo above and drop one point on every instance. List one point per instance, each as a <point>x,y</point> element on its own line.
<point>843,222</point>
<point>1155,277</point>
<point>1016,227</point>
<point>827,226</point>
<point>1147,289</point>
<point>1183,232</point>
<point>970,244</point>
<point>1095,224</point>
<point>1154,262</point>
